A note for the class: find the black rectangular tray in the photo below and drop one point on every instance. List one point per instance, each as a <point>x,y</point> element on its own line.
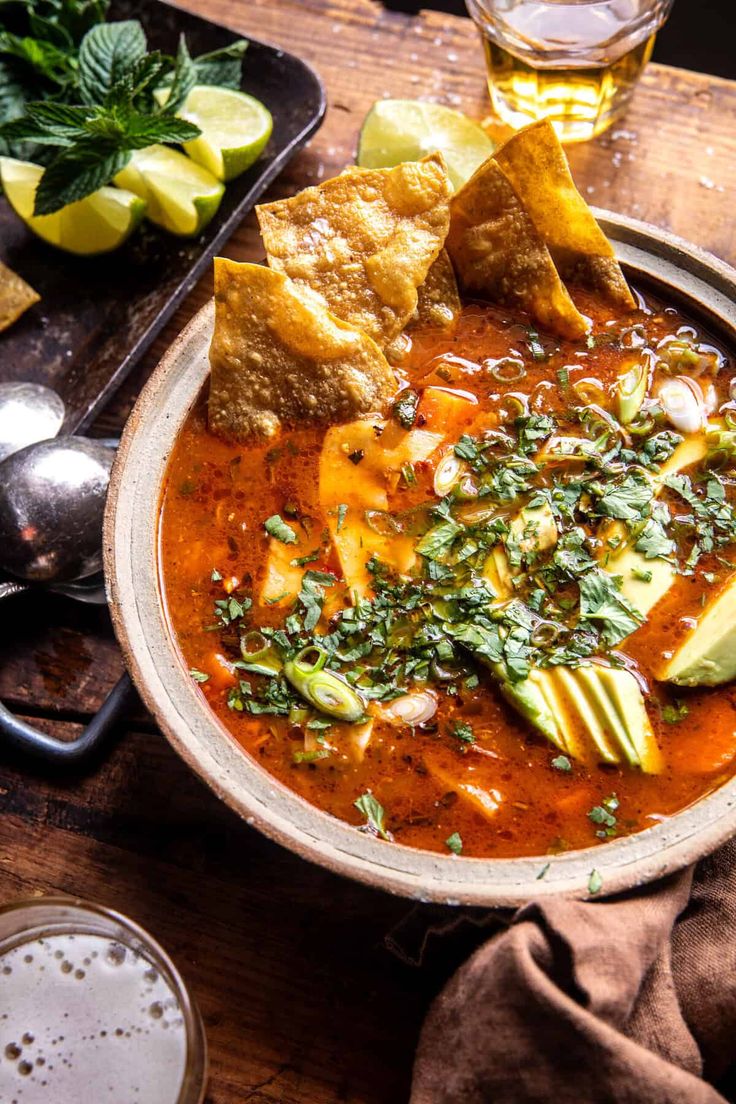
<point>98,315</point>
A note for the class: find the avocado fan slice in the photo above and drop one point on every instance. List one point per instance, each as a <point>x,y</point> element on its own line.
<point>707,656</point>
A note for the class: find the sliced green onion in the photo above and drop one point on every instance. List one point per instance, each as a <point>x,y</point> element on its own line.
<point>382,523</point>
<point>632,389</point>
<point>505,370</point>
<point>447,473</point>
<point>325,690</point>
<point>259,656</point>
<point>590,391</point>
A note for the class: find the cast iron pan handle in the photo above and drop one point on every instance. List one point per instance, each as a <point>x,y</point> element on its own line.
<point>24,738</point>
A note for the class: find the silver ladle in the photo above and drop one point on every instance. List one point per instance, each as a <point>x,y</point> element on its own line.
<point>52,500</point>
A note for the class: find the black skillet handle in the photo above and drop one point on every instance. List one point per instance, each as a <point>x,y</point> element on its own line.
<point>24,738</point>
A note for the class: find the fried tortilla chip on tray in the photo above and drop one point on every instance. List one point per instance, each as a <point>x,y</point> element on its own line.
<point>364,241</point>
<point>278,354</point>
<point>16,296</point>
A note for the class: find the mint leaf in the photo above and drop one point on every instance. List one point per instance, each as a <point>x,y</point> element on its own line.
<point>77,172</point>
<point>184,78</point>
<point>222,67</point>
<point>107,51</point>
<point>276,527</point>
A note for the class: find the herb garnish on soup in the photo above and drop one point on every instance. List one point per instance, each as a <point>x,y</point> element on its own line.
<point>459,568</point>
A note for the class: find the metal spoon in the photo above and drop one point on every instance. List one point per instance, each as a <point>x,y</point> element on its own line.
<point>52,499</point>
<point>29,412</point>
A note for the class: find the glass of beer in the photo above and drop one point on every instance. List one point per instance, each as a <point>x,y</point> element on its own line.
<point>575,62</point>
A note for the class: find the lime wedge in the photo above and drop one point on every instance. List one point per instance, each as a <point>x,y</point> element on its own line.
<point>406,130</point>
<point>180,196</point>
<point>97,224</point>
<point>235,128</point>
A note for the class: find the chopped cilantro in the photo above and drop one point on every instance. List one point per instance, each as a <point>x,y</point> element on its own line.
<point>375,815</point>
<point>595,883</point>
<point>605,816</point>
<point>310,557</point>
<point>602,603</point>
<point>216,577</point>
<point>674,712</point>
<point>198,676</point>
<point>404,409</point>
<point>277,528</point>
<point>463,732</point>
<point>455,843</point>
<point>562,763</point>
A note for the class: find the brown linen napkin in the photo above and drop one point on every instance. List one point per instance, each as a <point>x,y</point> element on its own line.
<point>630,1000</point>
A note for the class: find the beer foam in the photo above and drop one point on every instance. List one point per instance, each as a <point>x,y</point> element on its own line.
<point>85,1018</point>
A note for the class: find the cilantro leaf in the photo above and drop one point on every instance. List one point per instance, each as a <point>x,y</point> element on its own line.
<point>277,528</point>
<point>437,541</point>
<point>375,815</point>
<point>455,843</point>
<point>602,603</point>
<point>404,409</point>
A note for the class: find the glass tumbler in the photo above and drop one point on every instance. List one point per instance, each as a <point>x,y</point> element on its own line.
<point>574,62</point>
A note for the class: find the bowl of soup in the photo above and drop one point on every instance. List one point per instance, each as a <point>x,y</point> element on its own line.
<point>471,645</point>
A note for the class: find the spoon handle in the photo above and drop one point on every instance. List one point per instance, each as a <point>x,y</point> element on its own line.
<point>23,737</point>
<point>9,589</point>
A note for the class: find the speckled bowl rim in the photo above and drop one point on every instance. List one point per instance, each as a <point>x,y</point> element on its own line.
<point>706,287</point>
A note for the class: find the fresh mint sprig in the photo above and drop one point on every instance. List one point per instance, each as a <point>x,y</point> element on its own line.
<point>106,107</point>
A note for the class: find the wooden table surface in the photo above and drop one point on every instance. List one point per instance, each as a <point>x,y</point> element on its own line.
<point>301,999</point>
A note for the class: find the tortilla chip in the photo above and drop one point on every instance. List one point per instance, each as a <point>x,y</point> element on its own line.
<point>16,296</point>
<point>438,302</point>
<point>279,356</point>
<point>535,164</point>
<point>438,307</point>
<point>498,254</point>
<point>364,241</point>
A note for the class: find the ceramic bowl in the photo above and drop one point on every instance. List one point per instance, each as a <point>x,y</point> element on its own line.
<point>682,274</point>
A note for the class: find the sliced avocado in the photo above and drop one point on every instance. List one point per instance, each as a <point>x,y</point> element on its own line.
<point>625,693</point>
<point>707,656</point>
<point>589,712</point>
<point>589,718</point>
<point>497,573</point>
<point>529,699</point>
<point>644,581</point>
<point>534,529</point>
<point>692,450</point>
<point>630,392</point>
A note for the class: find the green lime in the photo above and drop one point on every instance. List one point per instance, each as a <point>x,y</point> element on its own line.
<point>97,224</point>
<point>180,195</point>
<point>235,128</point>
<point>405,130</point>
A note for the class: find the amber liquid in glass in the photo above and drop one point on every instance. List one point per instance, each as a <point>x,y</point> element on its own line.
<point>575,62</point>
<point>580,102</point>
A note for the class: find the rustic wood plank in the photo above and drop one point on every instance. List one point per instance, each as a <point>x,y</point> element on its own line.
<point>301,1001</point>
